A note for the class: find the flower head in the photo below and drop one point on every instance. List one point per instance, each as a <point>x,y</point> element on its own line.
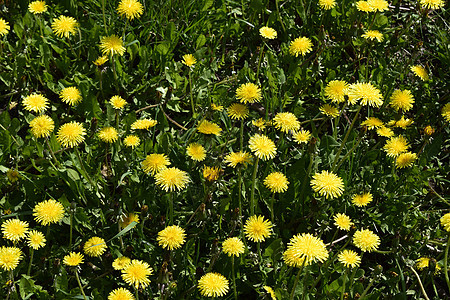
<point>402,100</point>
<point>35,103</point>
<point>405,160</point>
<point>4,27</point>
<point>120,294</point>
<point>213,285</point>
<point>446,112</point>
<point>286,121</point>
<point>260,123</point>
<point>233,246</point>
<point>73,259</point>
<point>270,291</point>
<point>424,262</point>
<point>196,151</point>
<point>304,249</point>
<point>9,258</point>
<point>342,221</point>
<point>108,134</point>
<point>155,163</point>
<point>276,182</point>
<point>101,60</point>
<point>171,179</point>
<point>372,122</point>
<point>136,273</point>
<point>95,246</point>
<point>373,35</point>
<point>235,158</point>
<point>171,237</point>
<point>248,93</point>
<point>432,4</point>
<point>121,262</point>
<point>336,90</point>
<point>35,239</point>
<point>216,107</point>
<point>132,141</point>
<point>257,229</point>
<point>302,136</point>
<point>238,111</point>
<point>110,45</point>
<point>385,131</point>
<point>364,6</point>
<point>349,258</point>
<point>403,123</point>
<point>71,134</point>
<point>207,127</point>
<point>64,26</point>
<point>445,222</point>
<point>263,147</point>
<point>396,146</point>
<point>48,211</point>
<point>428,130</point>
<point>211,173</point>
<point>117,102</point>
<point>366,240</point>
<point>143,124</point>
<point>14,229</point>
<point>362,199</point>
<point>378,5</point>
<point>189,60</point>
<point>70,95</point>
<point>327,4</point>
<point>267,32</point>
<point>37,7</point>
<point>300,45</point>
<point>329,110</point>
<point>42,126</point>
<point>366,92</point>
<point>420,71</point>
<point>127,219</point>
<point>327,184</point>
<point>130,9</point>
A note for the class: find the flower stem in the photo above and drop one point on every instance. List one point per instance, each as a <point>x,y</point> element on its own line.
<point>446,263</point>
<point>271,206</point>
<point>252,194</point>
<point>72,211</point>
<point>82,167</point>
<point>104,18</point>
<point>52,153</point>
<point>343,284</point>
<point>31,261</point>
<point>233,277</point>
<point>192,96</point>
<point>79,284</point>
<point>136,292</point>
<point>296,281</point>
<point>240,198</point>
<point>241,135</point>
<point>261,51</point>
<point>171,209</point>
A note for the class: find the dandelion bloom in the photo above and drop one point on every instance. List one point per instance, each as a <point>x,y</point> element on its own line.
<point>336,90</point>
<point>136,273</point>
<point>235,158</point>
<point>71,134</point>
<point>132,141</point>
<point>270,291</point>
<point>101,60</point>
<point>64,26</point>
<point>366,92</point>
<point>95,246</point>
<point>189,60</point>
<point>396,146</point>
<point>130,9</point>
<point>329,110</point>
<point>276,182</point>
<point>213,285</point>
<point>362,199</point>
<point>263,147</point>
<point>121,262</point>
<point>127,219</point>
<point>35,103</point>
<point>70,95</point>
<point>445,221</point>
<point>10,258</point>
<point>14,229</point>
<point>403,123</point>
<point>154,163</point>
<point>42,126</point>
<point>117,102</point>
<point>405,160</point>
<point>402,100</point>
<point>216,107</point>
<point>446,112</point>
<point>286,121</point>
<point>4,27</point>
<point>366,240</point>
<point>171,179</point>
<point>110,45</point>
<point>171,237</point>
<point>211,173</point>
<point>35,239</point>
<point>238,111</point>
<point>372,122</point>
<point>143,124</point>
<point>428,130</point>
<point>378,5</point>
<point>300,45</point>
<point>420,71</point>
<point>385,131</point>
<point>327,4</point>
<point>342,221</point>
<point>73,259</point>
<point>260,123</point>
<point>120,294</point>
<point>48,211</point>
<point>304,249</point>
<point>302,136</point>
<point>364,6</point>
<point>327,184</point>
<point>207,127</point>
<point>432,4</point>
<point>196,151</point>
<point>267,32</point>
<point>233,246</point>
<point>373,35</point>
<point>257,229</point>
<point>37,7</point>
<point>424,262</point>
<point>349,258</point>
<point>108,134</point>
<point>248,93</point>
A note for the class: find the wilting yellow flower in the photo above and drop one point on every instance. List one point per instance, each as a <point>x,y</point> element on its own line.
<point>364,6</point>
<point>136,273</point>
<point>396,146</point>
<point>372,122</point>
<point>378,5</point>
<point>342,221</point>
<point>276,182</point>
<point>405,160</point>
<point>402,100</point>
<point>121,262</point>
<point>263,147</point>
<point>366,240</point>
<point>211,173</point>
<point>110,45</point>
<point>446,112</point>
<point>366,92</point>
<point>120,294</point>
<point>327,4</point>
<point>300,45</point>
<point>95,246</point>
<point>13,175</point>
<point>73,259</point>
<point>70,95</point>
<point>35,239</point>
<point>420,71</point>
<point>428,130</point>
<point>403,123</point>
<point>64,26</point>
<point>238,111</point>
<point>304,249</point>
<point>207,127</point>
<point>42,126</point>
<point>196,151</point>
<point>445,221</point>
<point>171,179</point>
<point>329,110</point>
<point>4,27</point>
<point>10,258</point>
<point>349,258</point>
<point>302,136</point>
<point>48,211</point>
<point>362,200</point>
<point>127,219</point>
<point>189,60</point>
<point>14,229</point>
<point>257,229</point>
<point>424,262</point>
<point>216,107</point>
<point>327,184</point>
<point>373,35</point>
<point>130,9</point>
<point>108,134</point>
<point>235,158</point>
<point>117,102</point>
<point>213,285</point>
<point>101,60</point>
<point>233,246</point>
<point>336,90</point>
<point>385,131</point>
<point>143,124</point>
<point>35,103</point>
<point>260,123</point>
<point>286,121</point>
<point>37,7</point>
<point>267,32</point>
<point>248,93</point>
<point>154,163</point>
<point>171,237</point>
<point>432,4</point>
<point>71,134</point>
<point>132,141</point>
<point>270,291</point>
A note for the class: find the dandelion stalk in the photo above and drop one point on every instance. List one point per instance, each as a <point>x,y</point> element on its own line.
<point>104,18</point>
<point>252,194</point>
<point>192,96</point>
<point>240,198</point>
<point>83,168</point>
<point>136,292</point>
<point>241,135</point>
<point>171,209</point>
<point>271,207</point>
<point>52,153</point>
<point>446,263</point>
<point>233,275</point>
<point>259,62</point>
<point>296,281</point>
<point>343,284</point>
<point>420,284</point>
<point>79,284</point>
<point>72,210</point>
<point>31,261</point>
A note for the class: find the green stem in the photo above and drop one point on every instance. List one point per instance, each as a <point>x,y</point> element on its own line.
<point>52,153</point>
<point>277,5</point>
<point>349,152</point>
<point>136,292</point>
<point>171,209</point>
<point>83,168</point>
<point>71,229</point>
<point>31,261</point>
<point>420,284</point>
<point>241,135</point>
<point>296,281</point>
<point>233,275</point>
<point>261,51</point>
<point>271,207</point>
<point>252,194</point>
<point>343,284</point>
<point>446,262</point>
<point>367,289</point>
<point>240,198</point>
<point>104,18</point>
<point>191,94</point>
<point>124,30</point>
<point>114,72</point>
<point>79,284</point>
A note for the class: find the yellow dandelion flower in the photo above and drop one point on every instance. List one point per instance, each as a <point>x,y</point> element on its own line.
<point>263,147</point>
<point>257,229</point>
<point>366,92</point>
<point>14,229</point>
<point>37,7</point>
<point>233,246</point>
<point>373,35</point>
<point>71,134</point>
<point>213,285</point>
<point>249,93</point>
<point>378,5</point>
<point>428,130</point>
<point>267,32</point>
<point>305,249</point>
<point>127,219</point>
<point>117,102</point>
<point>276,182</point>
<point>396,146</point>
<point>42,126</point>
<point>403,123</point>
<point>101,60</point>
<point>364,6</point>
<point>421,72</point>
<point>10,258</point>
<point>64,26</point>
<point>445,222</point>
<point>432,4</point>
<point>35,239</point>
<point>196,151</point>
<point>189,60</point>
<point>402,100</point>
<point>238,111</point>
<point>260,123</point>
<point>327,184</point>
<point>136,273</point>
<point>143,124</point>
<point>336,90</point>
<point>329,110</point>
<point>95,246</point>
<point>286,121</point>
<point>327,4</point>
<point>372,122</point>
<point>120,294</point>
<point>300,45</point>
<point>207,127</point>
<point>216,107</point>
<point>405,160</point>
<point>349,258</point>
<point>70,95</point>
<point>35,103</point>
<point>48,211</point>
<point>235,158</point>
<point>121,262</point>
<point>4,27</point>
<point>342,221</point>
<point>445,113</point>
<point>302,136</point>
<point>171,237</point>
<point>362,200</point>
<point>171,179</point>
<point>270,291</point>
<point>385,131</point>
<point>108,134</point>
<point>130,9</point>
<point>155,163</point>
<point>132,141</point>
<point>424,262</point>
<point>366,240</point>
<point>110,45</point>
<point>211,173</point>
<point>73,259</point>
